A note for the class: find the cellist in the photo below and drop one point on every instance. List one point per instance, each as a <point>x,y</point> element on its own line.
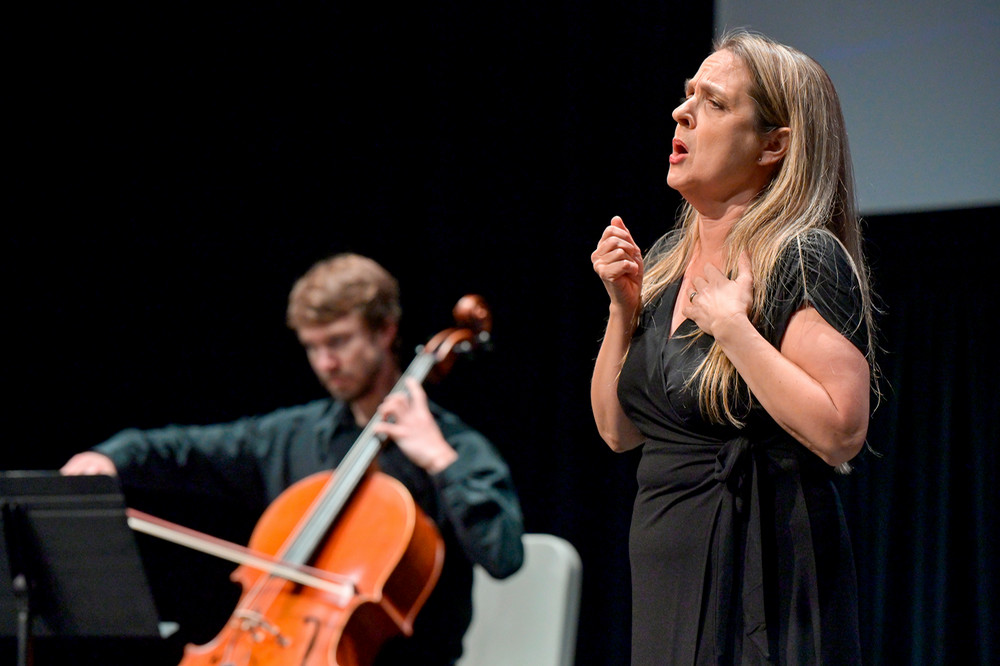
<point>345,311</point>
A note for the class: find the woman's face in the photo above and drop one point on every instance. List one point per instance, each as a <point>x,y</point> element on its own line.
<point>716,146</point>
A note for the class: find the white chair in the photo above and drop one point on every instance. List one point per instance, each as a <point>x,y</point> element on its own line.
<point>530,618</point>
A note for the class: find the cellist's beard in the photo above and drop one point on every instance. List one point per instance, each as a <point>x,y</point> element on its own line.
<point>345,387</point>
<point>350,391</point>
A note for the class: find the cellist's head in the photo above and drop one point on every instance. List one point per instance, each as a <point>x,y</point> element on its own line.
<point>345,311</point>
<point>342,284</point>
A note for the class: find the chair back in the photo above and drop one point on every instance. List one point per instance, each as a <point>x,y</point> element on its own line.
<point>530,617</point>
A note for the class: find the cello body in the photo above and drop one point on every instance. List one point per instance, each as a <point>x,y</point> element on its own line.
<point>382,544</point>
<point>372,557</point>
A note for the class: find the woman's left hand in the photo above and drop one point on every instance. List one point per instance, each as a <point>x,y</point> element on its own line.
<point>716,300</point>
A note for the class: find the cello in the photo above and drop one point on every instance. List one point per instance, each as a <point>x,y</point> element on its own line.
<point>341,561</point>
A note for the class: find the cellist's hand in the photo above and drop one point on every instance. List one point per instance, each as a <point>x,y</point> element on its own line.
<point>414,430</point>
<point>89,462</point>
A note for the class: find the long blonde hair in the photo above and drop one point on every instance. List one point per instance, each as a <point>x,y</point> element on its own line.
<point>813,188</point>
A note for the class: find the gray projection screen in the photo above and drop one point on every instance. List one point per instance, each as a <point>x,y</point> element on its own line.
<point>920,87</point>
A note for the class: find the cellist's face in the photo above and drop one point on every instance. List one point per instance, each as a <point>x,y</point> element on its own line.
<point>347,355</point>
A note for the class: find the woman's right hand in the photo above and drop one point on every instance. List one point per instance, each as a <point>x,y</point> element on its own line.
<point>618,262</point>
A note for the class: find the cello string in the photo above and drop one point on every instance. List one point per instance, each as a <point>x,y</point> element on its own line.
<point>316,523</point>
<point>313,528</point>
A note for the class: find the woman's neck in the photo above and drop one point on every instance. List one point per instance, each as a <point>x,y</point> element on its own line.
<point>712,234</point>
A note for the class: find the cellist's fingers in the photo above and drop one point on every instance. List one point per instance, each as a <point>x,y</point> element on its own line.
<point>404,413</point>
<point>89,462</point>
<point>417,396</point>
<point>393,404</point>
<point>413,428</point>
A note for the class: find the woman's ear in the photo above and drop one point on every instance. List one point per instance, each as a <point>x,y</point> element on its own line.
<point>775,146</point>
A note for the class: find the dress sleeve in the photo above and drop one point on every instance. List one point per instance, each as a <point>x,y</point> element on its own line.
<point>815,270</point>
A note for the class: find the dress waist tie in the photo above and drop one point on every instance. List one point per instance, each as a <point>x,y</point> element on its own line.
<point>743,467</point>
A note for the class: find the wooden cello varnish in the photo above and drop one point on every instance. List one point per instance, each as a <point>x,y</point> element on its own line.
<point>382,542</point>
<point>357,523</point>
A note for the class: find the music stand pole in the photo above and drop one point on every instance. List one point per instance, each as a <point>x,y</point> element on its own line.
<point>14,524</point>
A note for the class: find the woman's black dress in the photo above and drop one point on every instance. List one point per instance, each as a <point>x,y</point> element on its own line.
<point>739,549</point>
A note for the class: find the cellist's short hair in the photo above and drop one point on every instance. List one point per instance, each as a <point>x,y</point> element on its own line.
<point>342,284</point>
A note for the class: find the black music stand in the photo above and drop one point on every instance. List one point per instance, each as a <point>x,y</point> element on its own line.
<point>72,566</point>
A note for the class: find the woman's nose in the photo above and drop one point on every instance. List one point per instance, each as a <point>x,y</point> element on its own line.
<point>682,114</point>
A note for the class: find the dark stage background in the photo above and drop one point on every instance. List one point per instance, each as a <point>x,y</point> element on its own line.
<point>177,166</point>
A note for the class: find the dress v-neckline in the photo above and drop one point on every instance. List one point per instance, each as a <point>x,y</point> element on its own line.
<point>671,330</point>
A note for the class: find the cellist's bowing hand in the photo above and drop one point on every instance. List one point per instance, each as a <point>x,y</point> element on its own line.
<point>408,421</point>
<point>618,262</point>
<point>89,462</point>
<point>718,301</point>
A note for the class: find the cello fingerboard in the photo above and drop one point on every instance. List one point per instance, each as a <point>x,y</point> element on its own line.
<point>313,529</point>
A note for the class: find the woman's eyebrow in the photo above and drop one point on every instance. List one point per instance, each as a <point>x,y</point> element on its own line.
<point>707,86</point>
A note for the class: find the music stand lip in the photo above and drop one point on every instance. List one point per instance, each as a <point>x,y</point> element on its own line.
<point>86,576</point>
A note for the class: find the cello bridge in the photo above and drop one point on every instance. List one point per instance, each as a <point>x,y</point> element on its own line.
<point>259,627</point>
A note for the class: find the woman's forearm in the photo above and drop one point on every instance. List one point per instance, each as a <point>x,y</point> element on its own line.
<point>615,427</point>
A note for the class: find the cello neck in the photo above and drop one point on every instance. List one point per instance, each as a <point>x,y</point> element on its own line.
<point>350,472</point>
<point>439,352</point>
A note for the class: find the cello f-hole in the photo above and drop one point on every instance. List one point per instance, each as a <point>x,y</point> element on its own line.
<point>312,639</point>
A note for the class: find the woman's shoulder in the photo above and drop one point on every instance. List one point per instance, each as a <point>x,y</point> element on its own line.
<point>815,269</point>
<point>815,246</point>
<point>815,259</point>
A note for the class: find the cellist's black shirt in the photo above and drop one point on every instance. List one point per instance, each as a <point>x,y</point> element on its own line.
<point>252,460</point>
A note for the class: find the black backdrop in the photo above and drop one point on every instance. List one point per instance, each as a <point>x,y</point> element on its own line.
<point>177,166</point>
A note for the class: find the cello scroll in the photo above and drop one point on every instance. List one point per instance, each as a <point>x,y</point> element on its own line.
<point>474,328</point>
